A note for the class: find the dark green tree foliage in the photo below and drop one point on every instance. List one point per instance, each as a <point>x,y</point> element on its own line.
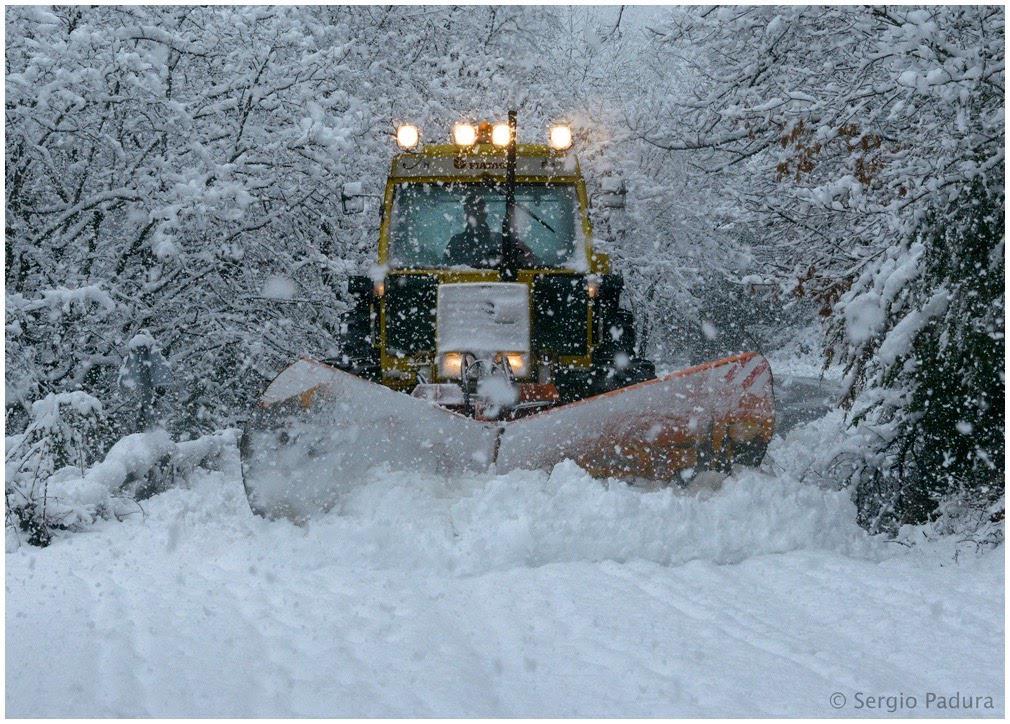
<point>945,409</point>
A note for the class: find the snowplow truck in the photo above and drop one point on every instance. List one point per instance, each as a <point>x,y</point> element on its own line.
<point>491,336</point>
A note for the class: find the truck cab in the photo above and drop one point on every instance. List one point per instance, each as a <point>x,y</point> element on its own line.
<point>442,294</point>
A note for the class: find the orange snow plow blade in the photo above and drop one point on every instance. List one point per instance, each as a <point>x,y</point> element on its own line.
<point>318,430</point>
<point>708,416</point>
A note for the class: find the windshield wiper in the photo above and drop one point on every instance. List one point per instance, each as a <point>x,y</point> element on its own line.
<point>542,222</point>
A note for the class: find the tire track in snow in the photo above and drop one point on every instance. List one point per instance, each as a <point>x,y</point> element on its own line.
<point>119,659</point>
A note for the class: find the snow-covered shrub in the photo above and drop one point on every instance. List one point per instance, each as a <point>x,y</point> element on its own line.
<point>55,343</point>
<point>60,441</point>
<point>70,498</point>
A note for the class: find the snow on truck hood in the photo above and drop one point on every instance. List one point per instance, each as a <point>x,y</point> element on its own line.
<point>483,317</point>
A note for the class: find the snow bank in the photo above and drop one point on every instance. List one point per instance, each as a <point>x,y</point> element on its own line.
<point>131,456</point>
<point>75,500</point>
<point>468,526</point>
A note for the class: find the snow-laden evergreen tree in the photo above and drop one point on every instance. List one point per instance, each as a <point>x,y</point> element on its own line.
<point>931,364</point>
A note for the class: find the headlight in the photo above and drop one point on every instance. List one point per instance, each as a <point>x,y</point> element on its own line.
<point>450,365</point>
<point>407,137</point>
<point>559,137</point>
<point>500,134</point>
<point>519,362</point>
<point>464,134</point>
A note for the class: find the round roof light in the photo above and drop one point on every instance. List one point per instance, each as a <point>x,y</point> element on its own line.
<point>407,137</point>
<point>464,134</point>
<point>500,134</point>
<point>559,137</point>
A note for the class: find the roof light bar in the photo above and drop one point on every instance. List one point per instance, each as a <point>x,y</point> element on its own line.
<point>500,134</point>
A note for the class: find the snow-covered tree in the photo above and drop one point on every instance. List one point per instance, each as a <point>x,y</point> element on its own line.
<point>865,147</point>
<point>930,361</point>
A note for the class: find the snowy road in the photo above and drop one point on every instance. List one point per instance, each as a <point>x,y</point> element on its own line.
<point>520,595</point>
<point>802,398</point>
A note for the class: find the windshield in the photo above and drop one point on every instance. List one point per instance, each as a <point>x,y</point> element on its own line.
<point>459,224</point>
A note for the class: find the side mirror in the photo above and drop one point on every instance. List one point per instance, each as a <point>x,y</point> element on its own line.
<point>612,192</point>
<point>352,197</point>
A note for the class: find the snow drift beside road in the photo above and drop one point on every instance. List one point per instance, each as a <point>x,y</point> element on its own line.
<point>521,594</point>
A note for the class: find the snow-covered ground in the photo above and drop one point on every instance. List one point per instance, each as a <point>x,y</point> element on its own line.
<point>527,594</point>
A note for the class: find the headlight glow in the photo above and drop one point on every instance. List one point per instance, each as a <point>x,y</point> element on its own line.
<point>464,134</point>
<point>519,363</point>
<point>500,134</point>
<point>450,365</point>
<point>407,137</point>
<point>559,137</point>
